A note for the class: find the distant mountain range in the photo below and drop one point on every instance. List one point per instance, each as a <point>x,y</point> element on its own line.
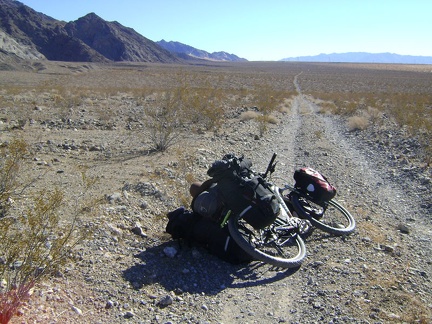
<point>27,34</point>
<point>182,49</point>
<point>361,57</point>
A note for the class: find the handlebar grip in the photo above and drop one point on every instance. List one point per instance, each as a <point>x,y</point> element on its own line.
<point>270,167</point>
<point>273,158</point>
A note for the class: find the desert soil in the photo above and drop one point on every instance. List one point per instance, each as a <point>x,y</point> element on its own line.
<point>381,273</point>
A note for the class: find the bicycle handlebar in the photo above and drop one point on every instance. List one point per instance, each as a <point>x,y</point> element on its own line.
<point>271,166</point>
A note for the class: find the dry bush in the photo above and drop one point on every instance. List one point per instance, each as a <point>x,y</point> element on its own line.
<point>248,115</point>
<point>375,115</point>
<point>272,119</point>
<point>285,106</point>
<point>164,119</point>
<point>267,100</point>
<point>357,123</point>
<point>327,107</point>
<point>263,122</point>
<point>203,107</point>
<point>34,241</point>
<point>183,105</point>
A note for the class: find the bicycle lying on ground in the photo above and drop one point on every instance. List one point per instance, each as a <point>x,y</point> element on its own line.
<point>280,243</point>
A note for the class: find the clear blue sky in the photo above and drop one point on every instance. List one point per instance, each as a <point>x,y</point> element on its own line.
<point>269,29</point>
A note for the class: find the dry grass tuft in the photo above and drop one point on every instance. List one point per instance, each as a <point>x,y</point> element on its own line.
<point>248,115</point>
<point>357,123</point>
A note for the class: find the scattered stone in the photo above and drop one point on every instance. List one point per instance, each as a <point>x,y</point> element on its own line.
<point>165,301</point>
<point>403,228</point>
<point>143,205</point>
<point>77,310</point>
<point>137,230</point>
<point>316,264</point>
<point>170,251</point>
<point>115,197</point>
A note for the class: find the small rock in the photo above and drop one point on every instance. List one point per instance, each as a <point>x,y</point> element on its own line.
<point>115,197</point>
<point>403,228</point>
<point>316,264</point>
<point>387,248</point>
<point>77,310</point>
<point>166,301</point>
<point>196,254</point>
<point>170,251</point>
<point>137,230</point>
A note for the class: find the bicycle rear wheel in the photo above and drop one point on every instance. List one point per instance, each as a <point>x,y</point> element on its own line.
<point>332,217</point>
<point>277,244</point>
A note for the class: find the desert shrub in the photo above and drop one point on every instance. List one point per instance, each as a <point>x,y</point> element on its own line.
<point>263,121</point>
<point>164,119</point>
<point>285,106</point>
<point>272,119</point>
<point>183,107</point>
<point>375,115</point>
<point>34,241</point>
<point>248,115</point>
<point>267,100</point>
<point>357,123</point>
<point>203,107</point>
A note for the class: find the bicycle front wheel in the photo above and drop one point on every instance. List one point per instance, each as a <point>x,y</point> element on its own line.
<point>332,217</point>
<point>277,244</point>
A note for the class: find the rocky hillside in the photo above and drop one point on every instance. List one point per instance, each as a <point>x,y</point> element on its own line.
<point>27,34</point>
<point>192,52</point>
<point>116,42</point>
<point>42,34</point>
<point>88,39</point>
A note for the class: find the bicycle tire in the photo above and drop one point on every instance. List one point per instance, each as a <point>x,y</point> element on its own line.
<point>251,241</point>
<point>334,220</point>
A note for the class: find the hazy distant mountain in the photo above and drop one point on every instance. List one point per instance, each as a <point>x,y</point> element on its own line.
<point>179,48</point>
<point>361,57</point>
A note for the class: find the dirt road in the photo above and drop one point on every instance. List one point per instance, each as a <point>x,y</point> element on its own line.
<point>380,273</point>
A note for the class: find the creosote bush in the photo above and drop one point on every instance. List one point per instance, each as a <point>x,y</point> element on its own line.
<point>34,241</point>
<point>164,120</point>
<point>182,108</point>
<point>267,100</point>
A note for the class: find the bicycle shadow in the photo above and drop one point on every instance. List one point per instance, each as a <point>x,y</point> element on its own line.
<point>194,270</point>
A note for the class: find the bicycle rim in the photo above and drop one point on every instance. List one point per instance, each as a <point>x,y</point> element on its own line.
<point>334,219</point>
<point>271,245</point>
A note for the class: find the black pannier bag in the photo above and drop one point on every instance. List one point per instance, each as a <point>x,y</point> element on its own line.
<point>193,228</point>
<point>314,184</point>
<point>243,192</point>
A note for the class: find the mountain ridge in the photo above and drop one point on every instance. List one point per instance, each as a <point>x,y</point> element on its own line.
<point>28,34</point>
<point>362,57</point>
<point>180,48</point>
